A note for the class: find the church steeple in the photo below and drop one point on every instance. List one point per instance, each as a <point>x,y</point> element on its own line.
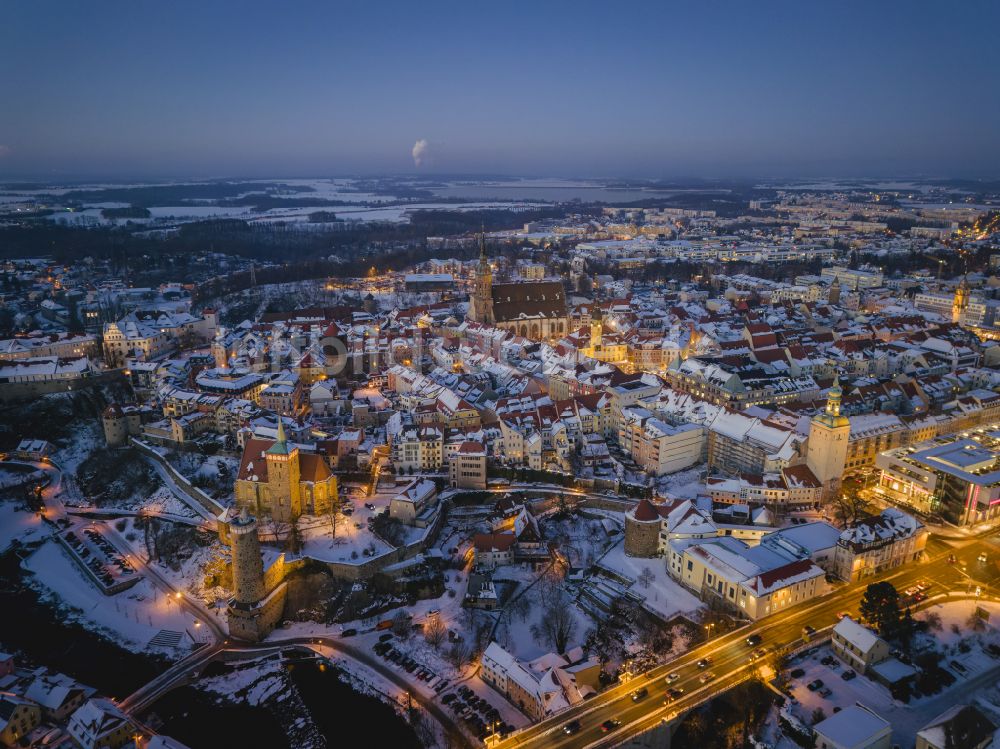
<point>481,300</point>
<point>280,446</point>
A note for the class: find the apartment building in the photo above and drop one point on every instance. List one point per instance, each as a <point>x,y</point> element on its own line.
<point>880,543</point>
<point>467,466</point>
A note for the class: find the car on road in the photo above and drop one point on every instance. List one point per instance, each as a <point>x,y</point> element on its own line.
<point>982,558</point>
<point>848,674</point>
<point>815,685</point>
<point>758,654</point>
<point>572,727</point>
<point>639,694</point>
<point>705,662</point>
<point>807,633</point>
<point>706,677</point>
<point>672,677</point>
<point>754,640</point>
<point>610,724</point>
<point>951,559</point>
<point>673,694</point>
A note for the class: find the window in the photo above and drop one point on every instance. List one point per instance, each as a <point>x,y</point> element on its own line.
<point>690,565</point>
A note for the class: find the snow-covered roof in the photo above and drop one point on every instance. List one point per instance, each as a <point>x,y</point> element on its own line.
<point>854,726</point>
<point>856,634</point>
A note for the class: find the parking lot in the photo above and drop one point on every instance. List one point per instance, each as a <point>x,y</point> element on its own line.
<point>479,715</point>
<point>104,564</point>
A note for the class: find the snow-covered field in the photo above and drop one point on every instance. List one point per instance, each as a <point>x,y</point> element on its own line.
<point>16,523</point>
<point>131,618</point>
<point>663,595</point>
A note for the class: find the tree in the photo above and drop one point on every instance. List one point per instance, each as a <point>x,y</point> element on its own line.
<point>849,506</point>
<point>646,577</point>
<point>880,608</point>
<point>458,655</point>
<point>293,542</point>
<point>435,631</point>
<point>401,625</point>
<point>933,621</point>
<point>818,716</point>
<point>557,624</point>
<point>332,515</point>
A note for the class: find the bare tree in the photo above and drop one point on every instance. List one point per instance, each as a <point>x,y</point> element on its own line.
<point>434,631</point>
<point>401,625</point>
<point>646,577</point>
<point>557,624</point>
<point>458,655</point>
<point>933,621</point>
<point>333,514</point>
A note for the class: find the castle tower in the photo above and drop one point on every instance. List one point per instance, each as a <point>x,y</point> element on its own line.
<point>283,476</point>
<point>829,432</point>
<point>115,425</point>
<point>642,530</point>
<point>248,567</point>
<point>961,300</point>
<point>834,297</point>
<point>481,303</point>
<point>254,610</point>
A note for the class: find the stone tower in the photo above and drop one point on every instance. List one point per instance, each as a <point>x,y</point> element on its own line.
<point>253,609</point>
<point>248,567</point>
<point>961,300</point>
<point>283,477</point>
<point>481,303</point>
<point>115,425</point>
<point>642,530</point>
<point>829,432</point>
<point>834,297</point>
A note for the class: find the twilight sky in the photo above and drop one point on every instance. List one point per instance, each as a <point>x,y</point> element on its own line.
<point>200,89</point>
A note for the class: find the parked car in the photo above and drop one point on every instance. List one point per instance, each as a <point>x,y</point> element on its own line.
<point>797,673</point>
<point>815,685</point>
<point>848,674</point>
<point>349,632</point>
<point>825,692</point>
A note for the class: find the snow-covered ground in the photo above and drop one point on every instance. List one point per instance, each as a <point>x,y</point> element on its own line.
<point>17,523</point>
<point>683,484</point>
<point>663,595</point>
<point>349,545</point>
<point>983,671</point>
<point>132,618</point>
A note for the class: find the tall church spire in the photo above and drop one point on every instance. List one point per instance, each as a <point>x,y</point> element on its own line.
<point>280,446</point>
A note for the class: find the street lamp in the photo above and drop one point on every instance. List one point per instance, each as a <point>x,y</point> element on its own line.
<point>493,738</point>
